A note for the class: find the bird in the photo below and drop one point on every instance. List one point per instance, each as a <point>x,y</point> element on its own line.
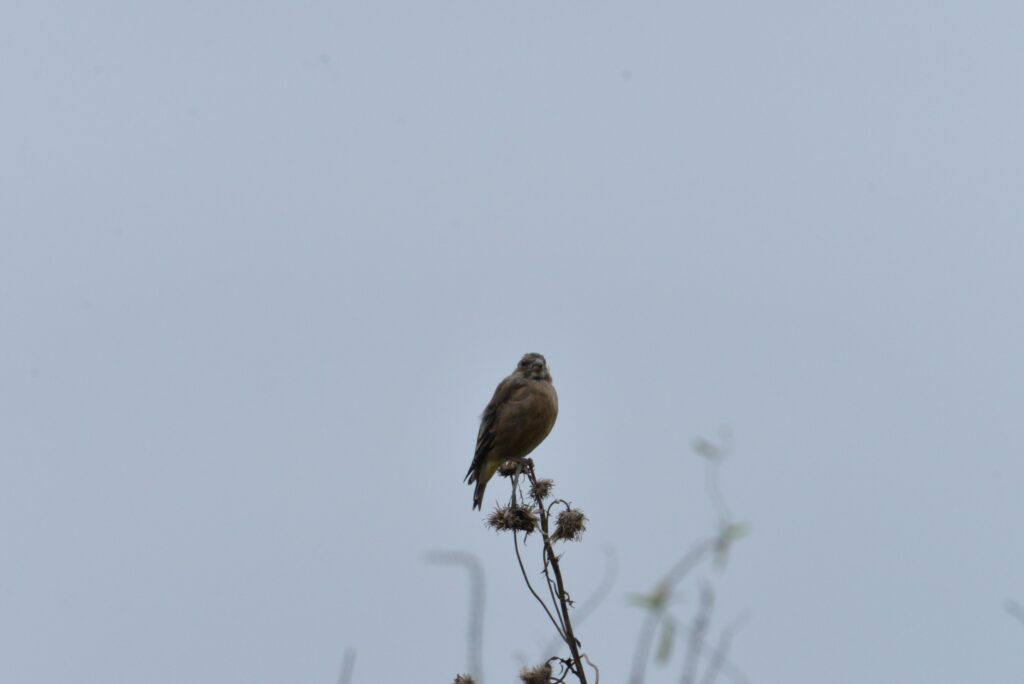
<point>518,418</point>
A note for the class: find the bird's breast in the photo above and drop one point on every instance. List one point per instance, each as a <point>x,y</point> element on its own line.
<point>529,420</point>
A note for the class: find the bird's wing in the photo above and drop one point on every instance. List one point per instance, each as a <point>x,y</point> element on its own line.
<point>509,390</point>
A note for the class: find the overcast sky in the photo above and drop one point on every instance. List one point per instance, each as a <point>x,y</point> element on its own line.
<point>263,264</point>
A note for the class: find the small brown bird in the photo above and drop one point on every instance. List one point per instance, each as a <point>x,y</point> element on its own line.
<point>518,418</point>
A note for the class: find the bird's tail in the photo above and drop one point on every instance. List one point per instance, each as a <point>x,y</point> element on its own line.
<point>478,493</point>
<point>482,477</point>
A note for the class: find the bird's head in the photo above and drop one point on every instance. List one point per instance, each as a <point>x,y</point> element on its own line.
<point>534,366</point>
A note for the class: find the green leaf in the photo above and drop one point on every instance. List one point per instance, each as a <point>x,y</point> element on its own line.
<point>726,537</point>
<point>656,600</point>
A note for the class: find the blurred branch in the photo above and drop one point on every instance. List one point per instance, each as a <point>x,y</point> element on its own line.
<point>713,455</point>
<point>719,657</point>
<point>348,663</point>
<point>475,634</point>
<point>657,601</point>
<point>1015,610</point>
<point>696,640</point>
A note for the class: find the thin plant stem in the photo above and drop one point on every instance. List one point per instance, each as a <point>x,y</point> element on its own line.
<point>522,569</point>
<point>563,600</point>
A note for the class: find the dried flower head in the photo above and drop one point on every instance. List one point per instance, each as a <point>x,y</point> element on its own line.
<point>509,468</point>
<point>570,526</point>
<point>541,489</point>
<point>536,675</point>
<point>515,466</point>
<point>464,679</point>
<point>518,517</point>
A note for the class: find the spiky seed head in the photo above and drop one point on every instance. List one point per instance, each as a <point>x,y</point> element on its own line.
<point>515,518</point>
<point>541,489</point>
<point>508,469</point>
<point>536,675</point>
<point>570,526</point>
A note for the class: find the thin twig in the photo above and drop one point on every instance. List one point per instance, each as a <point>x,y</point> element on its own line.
<point>597,672</point>
<point>562,663</point>
<point>551,592</point>
<point>547,574</point>
<point>517,489</point>
<point>522,569</point>
<point>554,600</point>
<point>584,610</point>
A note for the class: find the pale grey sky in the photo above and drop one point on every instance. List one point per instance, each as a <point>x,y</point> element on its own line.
<point>262,265</point>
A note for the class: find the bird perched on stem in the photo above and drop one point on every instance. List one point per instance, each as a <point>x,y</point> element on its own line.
<point>518,418</point>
